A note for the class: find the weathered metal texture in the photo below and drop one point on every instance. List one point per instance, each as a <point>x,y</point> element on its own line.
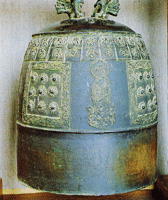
<point>91,82</point>
<point>87,164</point>
<point>87,107</point>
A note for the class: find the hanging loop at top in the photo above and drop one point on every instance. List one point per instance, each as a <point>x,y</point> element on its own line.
<point>103,8</point>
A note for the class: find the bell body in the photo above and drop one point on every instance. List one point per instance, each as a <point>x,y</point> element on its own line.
<point>87,110</point>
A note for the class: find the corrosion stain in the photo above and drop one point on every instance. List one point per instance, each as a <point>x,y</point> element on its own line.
<point>39,160</point>
<point>137,164</point>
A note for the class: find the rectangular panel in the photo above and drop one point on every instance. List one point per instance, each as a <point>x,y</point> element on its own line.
<point>142,93</point>
<point>46,99</point>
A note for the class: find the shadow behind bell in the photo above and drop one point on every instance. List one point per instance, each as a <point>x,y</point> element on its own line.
<point>87,107</point>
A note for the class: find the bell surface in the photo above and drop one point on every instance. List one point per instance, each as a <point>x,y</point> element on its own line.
<point>87,111</point>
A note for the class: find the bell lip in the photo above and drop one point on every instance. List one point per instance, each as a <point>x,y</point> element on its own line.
<point>84,194</point>
<point>84,25</point>
<point>74,131</point>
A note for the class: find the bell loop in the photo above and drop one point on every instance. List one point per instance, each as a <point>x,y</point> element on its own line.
<point>102,8</point>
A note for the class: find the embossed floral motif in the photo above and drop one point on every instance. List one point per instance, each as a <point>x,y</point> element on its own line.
<point>105,41</point>
<point>57,54</point>
<point>43,78</point>
<point>42,91</point>
<point>42,53</point>
<point>141,91</point>
<point>146,76</point>
<point>130,41</point>
<point>91,41</point>
<point>53,91</point>
<point>59,41</point>
<point>135,53</point>
<point>142,107</point>
<point>55,78</point>
<point>139,77</point>
<point>74,42</point>
<point>53,107</point>
<point>91,53</point>
<point>73,53</point>
<point>143,50</point>
<point>32,92</point>
<point>143,110</point>
<point>110,53</point>
<point>154,100</point>
<point>41,106</point>
<point>139,41</point>
<point>124,52</point>
<point>46,42</point>
<point>50,106</point>
<point>144,53</point>
<point>31,105</point>
<point>119,41</point>
<point>150,106</point>
<point>35,42</point>
<point>34,77</point>
<point>148,89</point>
<point>33,54</point>
<point>75,47</point>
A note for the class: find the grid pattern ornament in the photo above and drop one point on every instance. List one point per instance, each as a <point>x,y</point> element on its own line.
<point>49,58</point>
<point>142,92</point>
<point>87,47</point>
<point>47,95</point>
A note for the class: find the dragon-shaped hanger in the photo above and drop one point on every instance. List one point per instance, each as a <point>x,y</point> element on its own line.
<point>71,7</point>
<point>102,8</point>
<point>105,7</point>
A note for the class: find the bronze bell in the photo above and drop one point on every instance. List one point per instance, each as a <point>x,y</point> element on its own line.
<point>87,112</point>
